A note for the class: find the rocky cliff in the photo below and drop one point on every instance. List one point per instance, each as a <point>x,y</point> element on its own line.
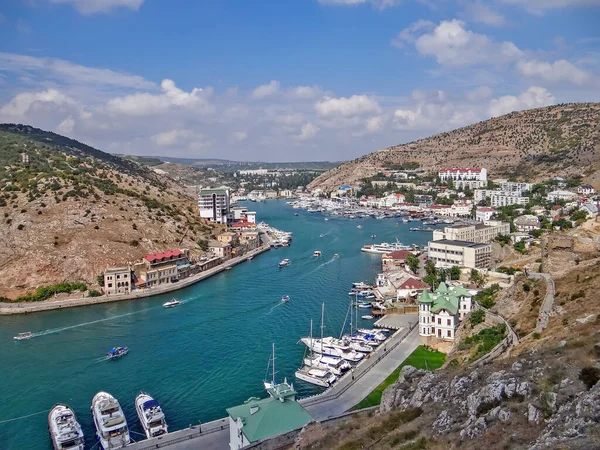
<point>561,139</point>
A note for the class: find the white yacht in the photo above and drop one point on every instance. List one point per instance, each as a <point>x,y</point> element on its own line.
<point>151,415</point>
<point>316,346</point>
<point>317,253</point>
<point>171,303</point>
<point>111,426</point>
<point>335,365</point>
<point>384,248</point>
<point>64,429</point>
<point>23,336</point>
<point>319,377</point>
<point>375,334</point>
<point>284,262</point>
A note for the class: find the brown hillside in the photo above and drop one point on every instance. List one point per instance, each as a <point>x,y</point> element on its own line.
<point>561,140</point>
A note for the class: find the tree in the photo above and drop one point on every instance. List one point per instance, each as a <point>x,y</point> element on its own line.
<point>430,268</point>
<point>476,278</point>
<point>455,273</point>
<point>412,262</point>
<point>432,281</point>
<point>100,279</point>
<point>203,244</point>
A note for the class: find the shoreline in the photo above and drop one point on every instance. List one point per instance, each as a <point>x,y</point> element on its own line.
<point>48,305</point>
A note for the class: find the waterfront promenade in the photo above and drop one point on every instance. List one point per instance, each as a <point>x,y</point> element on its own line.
<point>343,396</point>
<point>26,308</point>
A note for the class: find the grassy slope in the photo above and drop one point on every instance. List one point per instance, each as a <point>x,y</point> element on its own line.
<point>421,358</point>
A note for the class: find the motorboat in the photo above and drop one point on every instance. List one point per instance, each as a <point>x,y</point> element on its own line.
<point>249,258</point>
<point>335,255</point>
<point>335,365</point>
<point>325,347</point>
<point>117,352</point>
<point>362,294</point>
<point>359,227</point>
<point>23,336</point>
<point>367,317</point>
<point>172,303</point>
<point>284,262</point>
<point>64,429</point>
<point>296,214</point>
<point>321,235</point>
<point>364,305</point>
<point>317,253</point>
<point>374,333</point>
<point>326,219</point>
<point>361,285</point>
<point>319,377</point>
<point>285,298</point>
<point>111,426</point>
<point>151,415</point>
<point>373,236</point>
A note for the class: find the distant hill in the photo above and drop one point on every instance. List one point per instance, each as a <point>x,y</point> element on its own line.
<point>72,210</point>
<point>232,166</point>
<point>555,140</point>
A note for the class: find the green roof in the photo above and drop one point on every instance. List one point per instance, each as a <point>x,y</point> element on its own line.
<point>442,288</point>
<point>425,297</point>
<point>272,417</point>
<point>448,302</point>
<point>461,291</point>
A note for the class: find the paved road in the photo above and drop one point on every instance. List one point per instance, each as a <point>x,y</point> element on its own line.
<point>548,303</point>
<point>363,385</point>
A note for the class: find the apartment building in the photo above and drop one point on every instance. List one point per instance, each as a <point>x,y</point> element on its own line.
<point>214,205</point>
<point>117,280</point>
<point>463,178</point>
<point>480,232</point>
<point>446,253</point>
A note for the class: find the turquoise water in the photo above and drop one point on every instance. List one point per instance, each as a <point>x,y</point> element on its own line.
<point>208,354</point>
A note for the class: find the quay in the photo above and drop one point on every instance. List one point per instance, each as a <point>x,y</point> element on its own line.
<point>26,308</point>
<point>350,389</point>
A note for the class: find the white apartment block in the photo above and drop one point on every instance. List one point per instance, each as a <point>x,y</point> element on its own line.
<point>560,195</point>
<point>117,280</point>
<point>499,198</point>
<point>254,172</point>
<point>480,232</point>
<point>441,312</point>
<point>484,213</point>
<point>446,253</point>
<point>214,205</point>
<point>516,187</point>
<point>462,178</point>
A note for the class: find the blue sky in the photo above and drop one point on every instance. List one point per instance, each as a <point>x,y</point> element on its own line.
<point>287,80</point>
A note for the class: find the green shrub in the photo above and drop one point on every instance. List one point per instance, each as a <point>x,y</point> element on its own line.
<point>45,292</point>
<point>134,243</point>
<point>526,287</point>
<point>94,293</point>
<point>590,376</point>
<point>537,335</point>
<point>477,317</point>
<point>20,226</point>
<point>578,294</point>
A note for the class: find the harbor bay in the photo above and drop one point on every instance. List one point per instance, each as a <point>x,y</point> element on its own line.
<point>204,356</point>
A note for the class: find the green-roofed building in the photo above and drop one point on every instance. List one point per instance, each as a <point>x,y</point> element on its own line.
<point>440,312</point>
<point>259,419</point>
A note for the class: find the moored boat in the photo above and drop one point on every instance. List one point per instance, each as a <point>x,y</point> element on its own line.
<point>367,317</point>
<point>23,336</point>
<point>111,426</point>
<point>64,429</point>
<point>151,415</point>
<point>319,377</point>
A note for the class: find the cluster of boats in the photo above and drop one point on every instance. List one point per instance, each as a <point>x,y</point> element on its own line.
<point>330,357</point>
<point>342,209</point>
<point>112,431</point>
<point>278,238</point>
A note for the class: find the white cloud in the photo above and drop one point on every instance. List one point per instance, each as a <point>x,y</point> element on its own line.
<point>65,70</point>
<point>305,92</point>
<point>534,97</point>
<point>451,44</point>
<point>309,130</point>
<point>375,124</point>
<point>239,136</point>
<point>266,90</point>
<point>66,126</point>
<point>101,6</point>
<point>540,6</point>
<point>347,107</point>
<point>408,35</point>
<point>561,71</point>
<point>482,13</point>
<point>379,4</point>
<point>171,137</point>
<point>27,103</point>
<point>478,94</point>
<point>143,104</point>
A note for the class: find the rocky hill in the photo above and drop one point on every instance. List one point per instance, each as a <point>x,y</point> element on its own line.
<point>71,210</point>
<point>561,140</point>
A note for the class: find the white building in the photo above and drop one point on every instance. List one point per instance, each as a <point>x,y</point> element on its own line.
<point>586,189</point>
<point>479,232</point>
<point>446,253</point>
<point>516,187</point>
<point>484,213</point>
<point>527,222</point>
<point>560,195</point>
<point>117,280</point>
<point>254,172</point>
<point>214,205</point>
<point>463,178</point>
<point>441,312</point>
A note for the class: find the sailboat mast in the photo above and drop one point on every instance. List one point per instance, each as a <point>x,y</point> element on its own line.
<point>322,326</point>
<point>273,364</point>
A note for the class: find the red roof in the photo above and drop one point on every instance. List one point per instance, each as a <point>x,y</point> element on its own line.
<point>413,283</point>
<point>399,195</point>
<point>485,209</point>
<point>556,207</point>
<point>439,206</point>
<point>461,169</point>
<point>398,255</point>
<point>164,255</point>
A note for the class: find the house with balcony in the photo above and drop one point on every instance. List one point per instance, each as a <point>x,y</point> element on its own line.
<point>441,312</point>
<point>118,280</point>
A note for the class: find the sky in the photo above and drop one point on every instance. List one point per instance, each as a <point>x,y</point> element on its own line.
<point>287,80</point>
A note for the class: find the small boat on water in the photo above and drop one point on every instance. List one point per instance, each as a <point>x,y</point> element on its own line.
<point>359,227</point>
<point>284,262</point>
<point>285,298</point>
<point>317,253</point>
<point>151,415</point>
<point>171,303</point>
<point>373,236</point>
<point>296,214</point>
<point>112,431</point>
<point>23,336</point>
<point>64,429</point>
<point>367,317</point>
<point>335,255</point>
<point>326,219</point>
<point>321,235</point>
<point>364,305</point>
<point>117,352</point>
<point>249,258</point>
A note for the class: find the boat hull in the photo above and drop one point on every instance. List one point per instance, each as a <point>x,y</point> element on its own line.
<point>70,436</point>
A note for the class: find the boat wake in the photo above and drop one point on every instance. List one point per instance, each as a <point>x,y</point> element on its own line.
<point>70,327</point>
<point>281,302</point>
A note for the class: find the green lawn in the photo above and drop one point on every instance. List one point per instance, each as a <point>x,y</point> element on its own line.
<point>421,358</point>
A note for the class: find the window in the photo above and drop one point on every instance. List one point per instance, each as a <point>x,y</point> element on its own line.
<point>449,333</point>
<point>439,321</point>
<point>449,322</point>
<point>109,285</point>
